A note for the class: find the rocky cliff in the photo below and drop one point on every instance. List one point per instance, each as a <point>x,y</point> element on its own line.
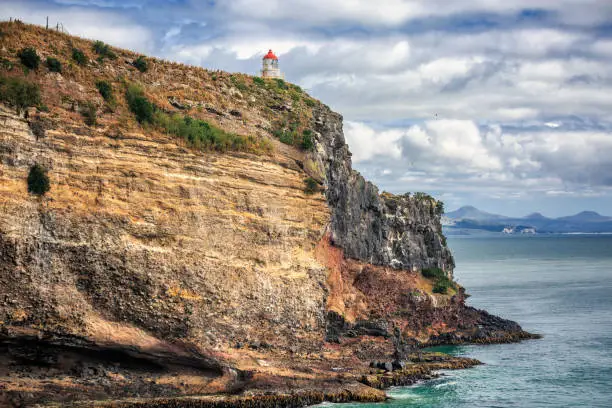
<point>155,267</point>
<point>403,232</point>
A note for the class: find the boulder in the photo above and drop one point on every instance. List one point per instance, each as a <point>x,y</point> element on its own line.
<point>398,364</point>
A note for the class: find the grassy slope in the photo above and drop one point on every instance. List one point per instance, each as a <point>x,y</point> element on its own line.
<point>234,102</point>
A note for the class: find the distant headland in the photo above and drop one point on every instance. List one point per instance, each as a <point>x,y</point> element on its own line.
<point>471,218</point>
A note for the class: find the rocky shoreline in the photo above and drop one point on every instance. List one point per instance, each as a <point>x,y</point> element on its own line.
<point>40,380</point>
<point>361,383</point>
<point>369,387</point>
<point>349,393</point>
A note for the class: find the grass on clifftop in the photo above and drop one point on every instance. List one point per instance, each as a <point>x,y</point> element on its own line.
<point>197,133</point>
<point>441,283</point>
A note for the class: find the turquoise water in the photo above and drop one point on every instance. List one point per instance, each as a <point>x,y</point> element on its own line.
<point>559,286</point>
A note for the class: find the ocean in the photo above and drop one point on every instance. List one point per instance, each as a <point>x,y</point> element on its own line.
<point>558,286</point>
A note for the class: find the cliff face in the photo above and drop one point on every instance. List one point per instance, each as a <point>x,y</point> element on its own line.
<point>184,246</point>
<point>155,251</point>
<point>152,268</point>
<point>403,232</point>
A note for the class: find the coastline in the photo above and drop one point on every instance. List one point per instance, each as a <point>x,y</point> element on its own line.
<point>360,384</point>
<point>348,370</point>
<point>220,278</point>
<point>365,387</point>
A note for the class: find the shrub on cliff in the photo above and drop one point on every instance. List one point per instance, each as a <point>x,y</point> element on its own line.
<point>38,180</point>
<point>29,58</point>
<point>307,142</point>
<point>54,64</point>
<point>420,196</point>
<point>433,273</point>
<point>259,81</point>
<point>238,82</point>
<point>103,50</point>
<point>79,57</point>
<point>6,64</point>
<point>441,283</point>
<point>310,102</point>
<point>311,186</point>
<point>281,84</point>
<point>106,90</point>
<point>89,112</point>
<point>139,104</point>
<point>442,286</point>
<point>286,137</point>
<point>141,64</point>
<point>37,127</point>
<point>19,93</point>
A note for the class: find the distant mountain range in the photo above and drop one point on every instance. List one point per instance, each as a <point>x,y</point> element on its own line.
<point>472,218</point>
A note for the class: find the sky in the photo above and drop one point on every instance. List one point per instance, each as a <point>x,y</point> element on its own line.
<point>504,105</point>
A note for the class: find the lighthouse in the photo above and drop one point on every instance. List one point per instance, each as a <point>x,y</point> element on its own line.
<point>270,66</point>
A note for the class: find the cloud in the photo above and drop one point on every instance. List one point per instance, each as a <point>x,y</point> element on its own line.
<point>393,13</point>
<point>443,143</point>
<point>390,12</point>
<point>466,76</point>
<point>366,143</point>
<point>461,153</point>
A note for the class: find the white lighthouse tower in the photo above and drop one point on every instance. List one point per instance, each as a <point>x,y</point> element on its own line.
<point>270,67</point>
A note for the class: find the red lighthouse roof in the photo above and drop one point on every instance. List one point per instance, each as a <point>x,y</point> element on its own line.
<point>270,55</point>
